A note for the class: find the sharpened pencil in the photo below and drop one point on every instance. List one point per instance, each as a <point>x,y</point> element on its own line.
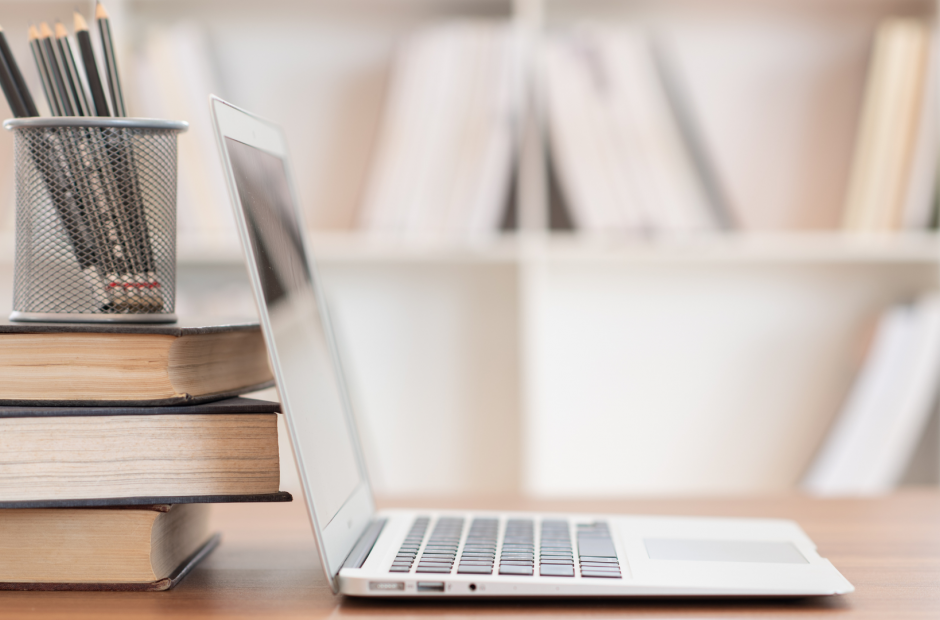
<point>70,71</point>
<point>44,74</point>
<point>56,77</point>
<point>91,67</point>
<point>110,60</point>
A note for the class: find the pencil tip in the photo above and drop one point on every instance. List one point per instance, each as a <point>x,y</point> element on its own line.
<point>45,30</point>
<point>60,30</point>
<point>80,23</point>
<point>100,13</point>
<point>33,33</point>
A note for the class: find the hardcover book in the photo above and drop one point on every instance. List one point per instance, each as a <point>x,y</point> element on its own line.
<point>103,456</point>
<point>139,548</point>
<point>130,364</point>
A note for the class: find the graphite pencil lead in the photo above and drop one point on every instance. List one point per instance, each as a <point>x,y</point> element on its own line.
<point>80,23</point>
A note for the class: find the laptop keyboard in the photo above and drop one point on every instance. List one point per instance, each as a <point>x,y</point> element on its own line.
<point>482,552</point>
<point>518,554</point>
<point>438,555</point>
<point>409,549</point>
<point>479,552</point>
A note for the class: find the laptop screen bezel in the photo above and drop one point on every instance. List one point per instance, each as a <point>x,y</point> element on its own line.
<point>335,539</point>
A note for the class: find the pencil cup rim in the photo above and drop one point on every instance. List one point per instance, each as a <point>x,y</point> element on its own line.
<point>95,121</point>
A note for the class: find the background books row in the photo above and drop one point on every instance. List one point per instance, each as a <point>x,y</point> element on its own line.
<point>624,140</point>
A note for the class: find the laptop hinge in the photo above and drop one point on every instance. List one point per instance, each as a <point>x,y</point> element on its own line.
<point>357,557</point>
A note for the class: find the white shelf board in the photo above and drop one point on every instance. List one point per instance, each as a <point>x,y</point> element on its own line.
<point>791,247</point>
<point>354,247</point>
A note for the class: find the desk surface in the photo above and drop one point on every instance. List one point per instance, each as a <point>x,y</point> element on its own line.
<point>266,567</point>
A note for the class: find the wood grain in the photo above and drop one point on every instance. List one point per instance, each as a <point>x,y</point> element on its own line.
<point>266,567</point>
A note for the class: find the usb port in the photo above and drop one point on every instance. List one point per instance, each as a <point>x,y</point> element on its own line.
<point>430,586</point>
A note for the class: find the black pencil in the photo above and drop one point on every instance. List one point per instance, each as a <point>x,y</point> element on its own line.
<point>55,74</point>
<point>17,107</point>
<point>110,60</point>
<point>21,88</point>
<point>98,97</point>
<point>44,75</point>
<point>72,79</point>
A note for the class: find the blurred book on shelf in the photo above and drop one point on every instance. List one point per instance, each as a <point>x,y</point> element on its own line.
<point>874,437</point>
<point>174,77</point>
<point>892,185</point>
<point>623,138</point>
<point>443,160</point>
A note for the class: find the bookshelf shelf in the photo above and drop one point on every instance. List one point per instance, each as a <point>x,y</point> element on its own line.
<point>746,248</point>
<point>756,248</point>
<point>353,247</point>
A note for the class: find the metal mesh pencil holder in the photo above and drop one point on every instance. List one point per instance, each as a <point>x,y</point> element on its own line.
<point>95,219</point>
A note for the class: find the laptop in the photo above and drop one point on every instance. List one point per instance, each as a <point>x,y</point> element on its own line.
<point>444,553</point>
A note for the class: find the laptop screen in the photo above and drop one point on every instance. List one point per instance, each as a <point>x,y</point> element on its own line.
<point>309,385</point>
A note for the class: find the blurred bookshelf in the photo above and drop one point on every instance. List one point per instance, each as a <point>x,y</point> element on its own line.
<point>700,362</point>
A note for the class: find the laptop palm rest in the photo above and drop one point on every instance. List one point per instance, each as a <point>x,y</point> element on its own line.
<point>764,552</point>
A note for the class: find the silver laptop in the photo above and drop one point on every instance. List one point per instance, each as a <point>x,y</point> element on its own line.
<point>434,553</point>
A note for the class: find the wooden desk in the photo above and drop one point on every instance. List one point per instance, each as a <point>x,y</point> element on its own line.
<point>267,567</point>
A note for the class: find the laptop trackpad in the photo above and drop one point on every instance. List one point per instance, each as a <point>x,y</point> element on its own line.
<point>723,551</point>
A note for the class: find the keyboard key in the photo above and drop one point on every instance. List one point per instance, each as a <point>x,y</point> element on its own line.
<point>596,548</point>
<point>601,574</point>
<point>594,540</point>
<point>475,570</point>
<point>549,570</point>
<point>515,570</point>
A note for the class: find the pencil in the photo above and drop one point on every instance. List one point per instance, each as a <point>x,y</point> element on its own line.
<point>110,60</point>
<point>55,74</point>
<point>44,74</point>
<point>72,79</point>
<point>18,81</point>
<point>91,67</point>
<point>9,88</point>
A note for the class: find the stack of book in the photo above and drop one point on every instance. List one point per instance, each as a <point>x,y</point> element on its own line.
<point>113,441</point>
